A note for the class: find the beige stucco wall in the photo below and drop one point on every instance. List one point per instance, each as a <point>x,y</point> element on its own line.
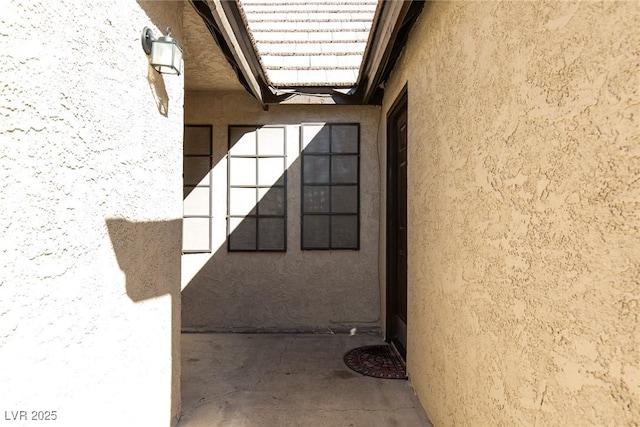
<point>524,234</point>
<point>90,189</point>
<point>296,290</point>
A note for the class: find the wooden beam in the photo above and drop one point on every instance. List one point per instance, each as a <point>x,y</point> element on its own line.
<point>227,25</point>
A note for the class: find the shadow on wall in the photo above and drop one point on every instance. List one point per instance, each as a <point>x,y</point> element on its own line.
<point>158,90</point>
<point>235,296</point>
<point>149,255</point>
<point>250,282</point>
<point>142,254</point>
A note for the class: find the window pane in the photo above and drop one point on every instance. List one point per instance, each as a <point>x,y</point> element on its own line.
<point>270,170</point>
<point>315,231</point>
<point>195,234</point>
<point>344,199</point>
<point>271,201</point>
<point>315,138</point>
<point>316,169</point>
<point>242,141</point>
<point>242,234</point>
<point>330,203</point>
<point>242,201</point>
<point>196,170</point>
<point>242,171</point>
<point>197,140</point>
<point>271,234</point>
<point>344,139</point>
<point>344,169</point>
<point>271,141</point>
<point>257,176</point>
<point>197,202</point>
<point>344,231</point>
<point>315,199</point>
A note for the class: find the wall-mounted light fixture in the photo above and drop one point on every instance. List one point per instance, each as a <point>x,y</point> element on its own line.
<point>166,55</point>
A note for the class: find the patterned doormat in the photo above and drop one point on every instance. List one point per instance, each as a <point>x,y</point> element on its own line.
<point>379,361</point>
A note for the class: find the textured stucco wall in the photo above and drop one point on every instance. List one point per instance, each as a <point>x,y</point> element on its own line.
<point>292,290</point>
<point>90,189</point>
<point>205,67</point>
<point>524,232</point>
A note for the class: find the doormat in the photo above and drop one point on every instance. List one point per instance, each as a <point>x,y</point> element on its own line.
<point>379,361</point>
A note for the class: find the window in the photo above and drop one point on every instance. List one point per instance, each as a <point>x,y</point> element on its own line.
<point>196,166</point>
<point>330,186</point>
<point>257,178</point>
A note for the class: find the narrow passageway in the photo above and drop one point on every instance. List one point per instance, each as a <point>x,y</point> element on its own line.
<point>287,380</point>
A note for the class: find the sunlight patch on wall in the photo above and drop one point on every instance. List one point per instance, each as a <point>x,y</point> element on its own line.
<point>253,185</point>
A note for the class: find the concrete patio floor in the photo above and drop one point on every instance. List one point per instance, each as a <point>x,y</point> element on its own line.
<point>287,380</point>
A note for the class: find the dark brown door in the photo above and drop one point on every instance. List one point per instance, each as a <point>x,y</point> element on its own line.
<point>397,225</point>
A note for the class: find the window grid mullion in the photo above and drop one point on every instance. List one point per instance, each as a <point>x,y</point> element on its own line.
<point>257,186</point>
<point>330,187</point>
<point>208,184</point>
<point>330,184</point>
<point>256,195</point>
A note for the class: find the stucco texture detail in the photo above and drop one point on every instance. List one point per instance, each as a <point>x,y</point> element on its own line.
<point>295,290</point>
<point>524,226</point>
<point>90,189</point>
<point>205,67</point>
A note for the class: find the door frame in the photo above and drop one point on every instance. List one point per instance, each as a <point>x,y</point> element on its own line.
<point>398,105</point>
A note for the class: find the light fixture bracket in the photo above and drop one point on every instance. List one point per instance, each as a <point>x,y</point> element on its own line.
<point>147,40</point>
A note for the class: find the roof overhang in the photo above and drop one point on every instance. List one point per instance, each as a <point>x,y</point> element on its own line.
<point>390,29</point>
<point>391,26</point>
<point>223,20</point>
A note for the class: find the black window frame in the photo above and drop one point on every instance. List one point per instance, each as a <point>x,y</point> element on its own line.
<point>257,215</point>
<point>199,185</point>
<point>330,214</point>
